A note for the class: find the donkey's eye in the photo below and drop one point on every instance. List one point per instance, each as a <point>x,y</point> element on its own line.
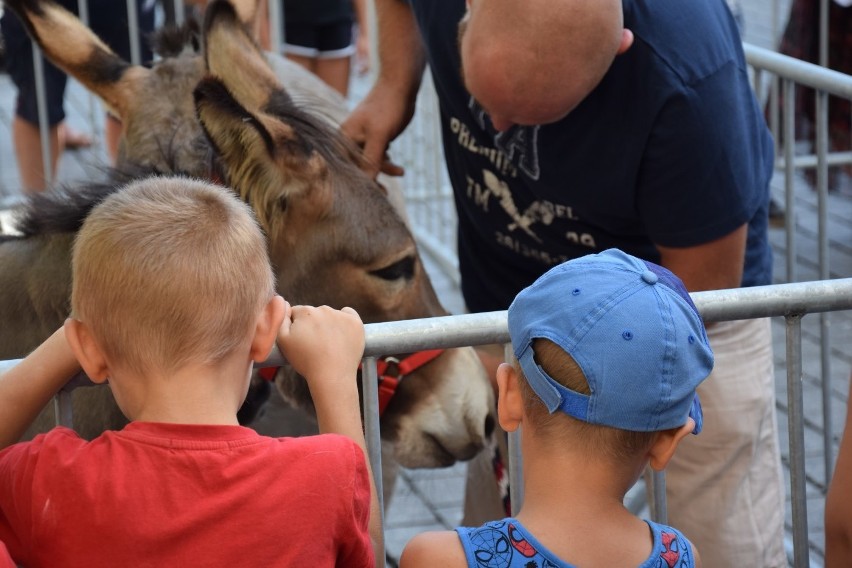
<point>283,202</point>
<point>400,269</point>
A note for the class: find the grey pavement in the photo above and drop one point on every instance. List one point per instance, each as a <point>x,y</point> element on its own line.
<point>432,499</point>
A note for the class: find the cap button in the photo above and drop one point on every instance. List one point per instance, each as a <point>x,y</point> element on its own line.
<point>649,277</point>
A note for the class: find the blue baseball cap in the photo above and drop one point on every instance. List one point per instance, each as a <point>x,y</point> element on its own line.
<point>631,327</point>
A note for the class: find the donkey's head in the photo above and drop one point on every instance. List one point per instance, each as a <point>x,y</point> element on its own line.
<point>334,237</point>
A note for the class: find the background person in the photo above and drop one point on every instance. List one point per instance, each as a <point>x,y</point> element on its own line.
<point>108,19</point>
<point>322,37</point>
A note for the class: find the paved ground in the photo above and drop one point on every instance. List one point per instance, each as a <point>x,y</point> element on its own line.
<point>431,499</point>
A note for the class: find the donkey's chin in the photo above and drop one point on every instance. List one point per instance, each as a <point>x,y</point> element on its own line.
<point>429,452</point>
<point>434,441</point>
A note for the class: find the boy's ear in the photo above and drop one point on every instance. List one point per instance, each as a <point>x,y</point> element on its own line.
<point>664,446</point>
<point>266,329</point>
<point>86,350</point>
<point>510,403</point>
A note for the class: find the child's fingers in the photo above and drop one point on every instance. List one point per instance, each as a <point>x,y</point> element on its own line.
<point>351,311</point>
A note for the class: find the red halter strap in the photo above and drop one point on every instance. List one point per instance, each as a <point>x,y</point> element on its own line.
<point>391,371</point>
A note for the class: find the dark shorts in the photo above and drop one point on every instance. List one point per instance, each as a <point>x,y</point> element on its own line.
<point>108,19</point>
<point>323,41</point>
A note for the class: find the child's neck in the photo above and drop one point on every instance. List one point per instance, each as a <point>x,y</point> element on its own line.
<point>568,481</point>
<point>573,503</point>
<point>193,394</point>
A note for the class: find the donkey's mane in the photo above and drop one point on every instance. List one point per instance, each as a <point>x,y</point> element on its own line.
<point>315,132</point>
<point>63,210</point>
<point>176,40</point>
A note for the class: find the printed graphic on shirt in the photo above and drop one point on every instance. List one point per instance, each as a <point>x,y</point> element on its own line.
<point>519,144</point>
<point>502,544</point>
<point>514,160</point>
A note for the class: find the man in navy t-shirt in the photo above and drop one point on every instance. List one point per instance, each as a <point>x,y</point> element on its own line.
<point>573,126</point>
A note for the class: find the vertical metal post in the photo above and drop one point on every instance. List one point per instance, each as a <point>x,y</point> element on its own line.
<point>789,173</point>
<point>276,26</point>
<point>180,11</point>
<point>62,409</point>
<point>796,433</point>
<point>133,33</point>
<point>515,459</point>
<point>43,119</point>
<point>372,434</point>
<point>659,514</point>
<point>822,149</point>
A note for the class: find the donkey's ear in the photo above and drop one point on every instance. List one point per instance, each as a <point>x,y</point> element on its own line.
<point>231,54</point>
<point>75,49</point>
<point>262,155</point>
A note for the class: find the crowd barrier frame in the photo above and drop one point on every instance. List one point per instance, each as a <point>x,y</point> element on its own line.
<point>790,301</point>
<point>432,213</point>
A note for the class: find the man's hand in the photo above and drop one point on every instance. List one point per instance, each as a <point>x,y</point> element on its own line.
<point>380,117</point>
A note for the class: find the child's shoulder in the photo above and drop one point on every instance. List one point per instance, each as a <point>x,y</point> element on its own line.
<point>328,448</point>
<point>434,548</point>
<point>671,546</point>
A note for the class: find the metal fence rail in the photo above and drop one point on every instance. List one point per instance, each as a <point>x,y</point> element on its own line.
<point>791,301</point>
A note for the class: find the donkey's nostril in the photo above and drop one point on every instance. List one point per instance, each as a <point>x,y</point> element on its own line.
<point>489,426</point>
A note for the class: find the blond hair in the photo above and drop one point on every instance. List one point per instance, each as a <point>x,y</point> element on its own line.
<point>168,271</point>
<point>617,444</point>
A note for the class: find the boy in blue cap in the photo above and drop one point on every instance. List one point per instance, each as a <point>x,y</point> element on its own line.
<point>609,350</point>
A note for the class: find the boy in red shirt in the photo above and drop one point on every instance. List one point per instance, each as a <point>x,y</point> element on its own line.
<point>173,301</point>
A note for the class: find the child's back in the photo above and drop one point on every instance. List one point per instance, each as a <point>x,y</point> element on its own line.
<point>173,301</point>
<point>608,352</point>
<point>161,494</point>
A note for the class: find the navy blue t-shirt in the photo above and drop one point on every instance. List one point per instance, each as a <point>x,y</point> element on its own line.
<point>671,148</point>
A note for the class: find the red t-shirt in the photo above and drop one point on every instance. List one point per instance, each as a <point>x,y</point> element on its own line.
<point>178,495</point>
<point>6,560</point>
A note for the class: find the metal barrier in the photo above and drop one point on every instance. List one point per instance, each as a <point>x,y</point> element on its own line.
<point>791,301</point>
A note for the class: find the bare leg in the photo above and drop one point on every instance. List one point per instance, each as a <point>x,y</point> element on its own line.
<point>112,136</point>
<point>308,63</point>
<point>335,72</point>
<point>27,141</point>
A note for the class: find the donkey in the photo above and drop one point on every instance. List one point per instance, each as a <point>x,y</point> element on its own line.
<point>334,237</point>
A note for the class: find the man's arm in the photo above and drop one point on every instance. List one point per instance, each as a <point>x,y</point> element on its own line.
<point>325,346</point>
<point>838,516</point>
<point>715,265</point>
<point>27,387</point>
<point>387,109</point>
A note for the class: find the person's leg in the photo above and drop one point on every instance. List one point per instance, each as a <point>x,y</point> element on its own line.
<point>334,60</point>
<point>112,136</point>
<point>26,136</point>
<point>308,63</point>
<point>335,73</point>
<point>725,486</point>
<point>27,141</point>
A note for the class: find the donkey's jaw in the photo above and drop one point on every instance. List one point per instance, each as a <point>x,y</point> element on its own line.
<point>451,423</point>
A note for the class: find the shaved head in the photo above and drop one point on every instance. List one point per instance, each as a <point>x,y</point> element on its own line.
<point>533,62</point>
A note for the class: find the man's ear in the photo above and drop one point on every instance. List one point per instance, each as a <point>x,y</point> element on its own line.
<point>266,329</point>
<point>510,403</point>
<point>664,446</point>
<point>87,351</point>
